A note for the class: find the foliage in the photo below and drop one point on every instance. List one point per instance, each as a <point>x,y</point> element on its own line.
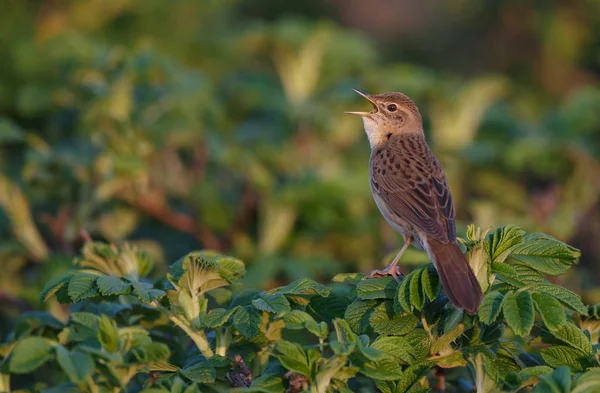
<point>125,331</point>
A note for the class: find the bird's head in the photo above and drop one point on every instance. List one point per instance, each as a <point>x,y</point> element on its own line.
<point>392,114</point>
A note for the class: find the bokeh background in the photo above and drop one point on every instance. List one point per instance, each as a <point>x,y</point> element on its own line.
<point>181,125</point>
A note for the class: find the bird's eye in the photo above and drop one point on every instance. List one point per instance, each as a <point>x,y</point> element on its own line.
<point>392,107</point>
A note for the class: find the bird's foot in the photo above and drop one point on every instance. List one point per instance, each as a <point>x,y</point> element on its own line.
<point>393,271</point>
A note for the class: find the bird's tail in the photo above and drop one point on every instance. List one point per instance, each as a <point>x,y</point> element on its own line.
<point>458,280</point>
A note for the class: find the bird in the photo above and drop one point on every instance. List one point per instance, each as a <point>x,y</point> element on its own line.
<point>410,189</point>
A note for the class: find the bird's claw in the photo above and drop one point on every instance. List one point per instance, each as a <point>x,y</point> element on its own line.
<point>394,272</point>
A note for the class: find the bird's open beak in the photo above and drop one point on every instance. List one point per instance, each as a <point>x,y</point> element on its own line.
<point>368,97</point>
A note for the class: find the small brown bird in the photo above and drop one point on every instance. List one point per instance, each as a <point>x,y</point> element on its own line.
<point>410,189</point>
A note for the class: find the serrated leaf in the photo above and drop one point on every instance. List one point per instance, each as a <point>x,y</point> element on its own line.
<point>77,365</point>
<point>430,282</point>
<point>405,295</point>
<point>110,285</point>
<point>385,369</point>
<point>348,278</point>
<point>297,319</point>
<point>508,274</point>
<point>247,321</point>
<point>550,309</point>
<point>501,243</point>
<point>200,374</point>
<point>292,357</point>
<point>518,312</point>
<point>273,303</point>
<point>217,317</point>
<point>566,297</point>
<point>412,375</point>
<point>29,354</point>
<point>86,319</point>
<point>108,333</point>
<point>140,292</point>
<point>417,299</point>
<point>535,371</point>
<point>545,254</point>
<point>83,286</point>
<point>376,288</point>
<point>384,321</point>
<point>396,346</point>
<point>267,383</point>
<point>54,284</point>
<point>302,286</point>
<point>358,313</point>
<point>572,335</point>
<point>559,355</point>
<point>490,307</point>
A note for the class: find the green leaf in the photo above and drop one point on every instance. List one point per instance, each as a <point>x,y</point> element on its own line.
<point>54,284</point>
<point>412,375</point>
<point>559,381</point>
<point>451,360</point>
<point>267,383</point>
<point>385,369</point>
<point>108,334</point>
<point>302,286</point>
<point>410,293</point>
<point>273,303</point>
<point>566,297</point>
<point>110,285</point>
<point>346,339</point>
<point>358,313</point>
<point>152,352</point>
<point>376,288</point>
<point>247,321</point>
<point>140,292</point>
<point>384,321</point>
<point>575,337</point>
<point>430,282</point>
<point>86,319</point>
<point>29,354</point>
<point>442,344</point>
<point>77,365</point>
<point>501,243</point>
<point>588,382</point>
<point>518,311</point>
<point>545,254</point>
<point>417,299</point>
<point>292,357</point>
<point>490,307</point>
<point>200,374</point>
<point>396,346</point>
<point>297,319</point>
<point>83,286</point>
<point>217,317</point>
<point>508,274</point>
<point>559,355</point>
<point>550,309</point>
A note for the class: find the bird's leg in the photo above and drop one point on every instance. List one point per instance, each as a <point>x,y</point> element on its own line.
<point>392,269</point>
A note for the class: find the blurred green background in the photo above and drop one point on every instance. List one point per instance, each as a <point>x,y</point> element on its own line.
<point>219,124</point>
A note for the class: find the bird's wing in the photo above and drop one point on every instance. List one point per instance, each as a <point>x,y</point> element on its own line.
<point>408,177</point>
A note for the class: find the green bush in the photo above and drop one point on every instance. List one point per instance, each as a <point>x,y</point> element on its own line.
<point>198,329</point>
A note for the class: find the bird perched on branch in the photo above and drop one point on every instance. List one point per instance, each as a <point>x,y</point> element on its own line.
<point>410,189</point>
